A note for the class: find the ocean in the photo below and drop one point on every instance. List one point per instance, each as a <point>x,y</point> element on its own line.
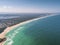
<point>45,31</point>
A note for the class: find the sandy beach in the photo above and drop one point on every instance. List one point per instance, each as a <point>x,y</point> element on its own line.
<point>2,35</point>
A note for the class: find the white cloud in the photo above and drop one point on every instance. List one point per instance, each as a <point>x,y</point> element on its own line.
<point>10,9</point>
<point>6,7</point>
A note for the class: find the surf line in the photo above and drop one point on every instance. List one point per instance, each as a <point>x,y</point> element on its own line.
<point>11,36</point>
<point>37,19</point>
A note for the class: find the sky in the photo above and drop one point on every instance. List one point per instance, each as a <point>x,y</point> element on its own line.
<point>29,6</point>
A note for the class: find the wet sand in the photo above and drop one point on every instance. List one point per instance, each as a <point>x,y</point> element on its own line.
<point>2,35</point>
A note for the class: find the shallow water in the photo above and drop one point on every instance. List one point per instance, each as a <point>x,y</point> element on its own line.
<point>44,31</point>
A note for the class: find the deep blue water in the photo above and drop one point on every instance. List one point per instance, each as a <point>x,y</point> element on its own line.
<point>40,32</point>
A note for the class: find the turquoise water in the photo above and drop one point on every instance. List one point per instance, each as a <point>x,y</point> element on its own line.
<point>40,32</point>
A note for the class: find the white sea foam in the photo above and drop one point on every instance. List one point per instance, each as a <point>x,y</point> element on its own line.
<point>37,19</point>
<point>9,40</point>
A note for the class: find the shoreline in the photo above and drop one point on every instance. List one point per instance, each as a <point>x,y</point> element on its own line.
<point>2,35</point>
